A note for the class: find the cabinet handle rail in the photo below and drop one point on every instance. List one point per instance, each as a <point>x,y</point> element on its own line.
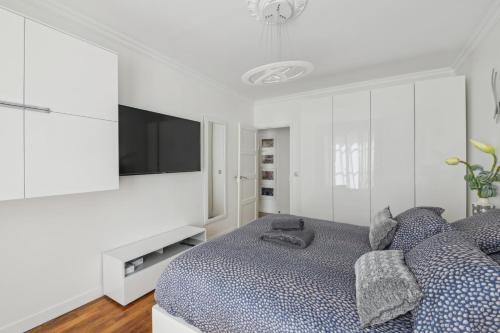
<point>25,106</point>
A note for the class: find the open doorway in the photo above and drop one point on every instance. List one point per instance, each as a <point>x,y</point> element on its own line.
<point>274,171</point>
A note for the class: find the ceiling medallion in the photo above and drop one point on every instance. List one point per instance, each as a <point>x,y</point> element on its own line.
<point>275,14</point>
<point>276,11</point>
<point>278,72</point>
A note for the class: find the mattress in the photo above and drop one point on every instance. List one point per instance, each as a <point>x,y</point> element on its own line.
<point>239,283</point>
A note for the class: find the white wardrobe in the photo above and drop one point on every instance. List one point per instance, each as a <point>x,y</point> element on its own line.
<point>359,152</point>
<point>58,112</point>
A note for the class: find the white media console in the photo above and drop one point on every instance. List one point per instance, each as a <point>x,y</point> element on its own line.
<point>125,286</point>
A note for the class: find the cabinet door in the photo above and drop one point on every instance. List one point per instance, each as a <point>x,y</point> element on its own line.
<point>351,158</point>
<point>11,119</point>
<point>440,132</point>
<point>316,158</point>
<point>392,138</point>
<point>69,75</point>
<point>11,149</point>
<point>69,154</point>
<point>11,57</point>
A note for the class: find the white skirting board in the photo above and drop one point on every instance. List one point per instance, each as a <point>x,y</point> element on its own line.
<point>52,312</point>
<point>166,323</point>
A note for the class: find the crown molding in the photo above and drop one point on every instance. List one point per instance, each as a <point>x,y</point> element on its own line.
<point>130,43</point>
<point>387,81</point>
<point>482,30</point>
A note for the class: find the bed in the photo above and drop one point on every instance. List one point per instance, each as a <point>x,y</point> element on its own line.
<point>238,283</point>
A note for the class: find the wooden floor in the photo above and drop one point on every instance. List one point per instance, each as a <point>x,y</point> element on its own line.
<point>104,316</point>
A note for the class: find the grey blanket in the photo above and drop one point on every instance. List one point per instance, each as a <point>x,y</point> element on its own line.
<point>290,238</point>
<point>238,283</point>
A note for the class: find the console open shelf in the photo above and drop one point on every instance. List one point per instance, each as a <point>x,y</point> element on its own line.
<point>152,255</point>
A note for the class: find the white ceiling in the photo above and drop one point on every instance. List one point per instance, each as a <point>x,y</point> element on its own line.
<point>346,40</point>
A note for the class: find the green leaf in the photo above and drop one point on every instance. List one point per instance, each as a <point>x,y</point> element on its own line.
<point>484,178</point>
<point>488,191</point>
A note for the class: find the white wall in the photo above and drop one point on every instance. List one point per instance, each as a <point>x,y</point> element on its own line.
<point>480,106</point>
<point>51,247</point>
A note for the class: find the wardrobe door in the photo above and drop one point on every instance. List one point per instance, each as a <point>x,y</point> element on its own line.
<point>69,75</point>
<point>316,158</point>
<point>351,158</point>
<point>11,118</point>
<point>392,139</point>
<point>440,132</point>
<point>68,154</point>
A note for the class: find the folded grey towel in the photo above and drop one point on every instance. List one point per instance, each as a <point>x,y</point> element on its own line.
<point>287,222</point>
<point>292,238</point>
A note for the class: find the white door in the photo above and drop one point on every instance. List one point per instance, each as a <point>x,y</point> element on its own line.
<point>69,154</point>
<point>11,119</point>
<point>247,175</point>
<point>316,158</point>
<point>351,158</point>
<point>392,139</point>
<point>440,132</point>
<point>69,75</point>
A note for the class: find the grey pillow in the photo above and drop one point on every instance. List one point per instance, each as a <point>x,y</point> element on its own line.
<point>382,229</point>
<point>416,225</point>
<point>385,287</point>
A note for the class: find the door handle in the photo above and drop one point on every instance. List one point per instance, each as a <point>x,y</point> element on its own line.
<point>242,177</point>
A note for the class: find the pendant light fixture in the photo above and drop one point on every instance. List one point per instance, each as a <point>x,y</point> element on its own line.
<point>274,15</point>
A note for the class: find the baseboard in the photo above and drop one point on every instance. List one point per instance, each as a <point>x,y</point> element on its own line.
<point>52,312</point>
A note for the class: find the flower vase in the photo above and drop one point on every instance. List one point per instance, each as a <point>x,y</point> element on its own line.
<point>482,206</point>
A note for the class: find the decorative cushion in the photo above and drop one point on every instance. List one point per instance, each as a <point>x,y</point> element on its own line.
<point>382,229</point>
<point>460,286</point>
<point>385,287</point>
<point>438,210</point>
<point>484,229</point>
<point>417,224</point>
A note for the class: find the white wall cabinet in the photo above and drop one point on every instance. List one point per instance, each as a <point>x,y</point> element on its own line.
<point>73,147</point>
<point>67,154</point>
<point>69,75</point>
<point>440,127</point>
<point>316,158</point>
<point>362,151</point>
<point>11,57</point>
<point>392,140</point>
<point>351,158</point>
<point>11,119</point>
<point>11,148</point>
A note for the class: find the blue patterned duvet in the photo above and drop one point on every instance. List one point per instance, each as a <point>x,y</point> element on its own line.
<point>239,283</point>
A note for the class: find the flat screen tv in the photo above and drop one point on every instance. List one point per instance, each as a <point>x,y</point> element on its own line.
<point>152,143</point>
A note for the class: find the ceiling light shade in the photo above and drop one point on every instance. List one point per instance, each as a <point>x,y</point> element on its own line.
<point>277,72</point>
<point>276,11</point>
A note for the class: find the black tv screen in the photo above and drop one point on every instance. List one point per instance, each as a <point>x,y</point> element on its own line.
<point>156,143</point>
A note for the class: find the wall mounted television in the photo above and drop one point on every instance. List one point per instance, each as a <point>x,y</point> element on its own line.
<point>152,143</point>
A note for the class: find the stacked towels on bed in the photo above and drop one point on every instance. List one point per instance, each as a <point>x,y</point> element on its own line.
<point>289,231</point>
